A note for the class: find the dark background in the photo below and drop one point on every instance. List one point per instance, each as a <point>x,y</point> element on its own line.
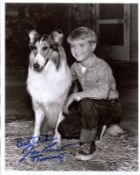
<point>21,18</point>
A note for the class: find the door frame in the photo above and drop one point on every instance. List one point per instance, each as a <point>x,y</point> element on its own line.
<point>118,52</point>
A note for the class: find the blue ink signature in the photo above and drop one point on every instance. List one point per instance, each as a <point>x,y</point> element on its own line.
<point>40,155</point>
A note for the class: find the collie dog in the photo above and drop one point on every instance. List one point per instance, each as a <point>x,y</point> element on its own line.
<point>49,80</point>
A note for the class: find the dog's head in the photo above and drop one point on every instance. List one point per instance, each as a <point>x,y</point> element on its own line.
<point>44,48</point>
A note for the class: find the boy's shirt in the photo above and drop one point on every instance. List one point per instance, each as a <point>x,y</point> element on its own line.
<point>96,79</point>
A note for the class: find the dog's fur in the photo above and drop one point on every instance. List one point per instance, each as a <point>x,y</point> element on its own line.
<point>49,79</point>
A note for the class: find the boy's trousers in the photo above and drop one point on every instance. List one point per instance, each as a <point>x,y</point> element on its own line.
<point>87,117</point>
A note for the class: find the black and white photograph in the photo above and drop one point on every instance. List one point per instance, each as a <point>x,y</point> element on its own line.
<point>71,87</point>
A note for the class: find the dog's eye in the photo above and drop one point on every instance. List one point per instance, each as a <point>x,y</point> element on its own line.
<point>33,48</point>
<point>44,48</point>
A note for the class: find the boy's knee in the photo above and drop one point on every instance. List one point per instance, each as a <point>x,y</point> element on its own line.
<point>70,127</point>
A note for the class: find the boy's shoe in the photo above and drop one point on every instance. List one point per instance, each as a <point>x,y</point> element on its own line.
<point>86,151</point>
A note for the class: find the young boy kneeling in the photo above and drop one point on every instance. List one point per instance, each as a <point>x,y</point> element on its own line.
<point>97,103</point>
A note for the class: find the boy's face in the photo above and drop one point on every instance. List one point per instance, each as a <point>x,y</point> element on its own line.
<point>81,50</point>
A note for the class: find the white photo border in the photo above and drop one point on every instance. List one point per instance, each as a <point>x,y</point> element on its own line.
<point>2,91</point>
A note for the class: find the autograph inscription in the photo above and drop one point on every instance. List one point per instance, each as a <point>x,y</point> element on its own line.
<point>43,154</point>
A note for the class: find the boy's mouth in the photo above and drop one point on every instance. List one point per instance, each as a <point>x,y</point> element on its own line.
<point>77,55</point>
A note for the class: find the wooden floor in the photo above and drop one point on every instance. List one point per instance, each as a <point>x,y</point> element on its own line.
<point>18,104</point>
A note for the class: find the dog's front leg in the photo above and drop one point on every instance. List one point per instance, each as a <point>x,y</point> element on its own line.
<point>39,117</point>
<point>57,136</point>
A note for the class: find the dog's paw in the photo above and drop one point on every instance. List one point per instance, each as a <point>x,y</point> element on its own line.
<point>34,140</point>
<point>57,139</point>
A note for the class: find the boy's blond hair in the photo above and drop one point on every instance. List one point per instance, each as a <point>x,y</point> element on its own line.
<point>82,33</point>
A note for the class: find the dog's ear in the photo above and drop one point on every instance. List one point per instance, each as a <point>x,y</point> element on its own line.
<point>33,35</point>
<point>58,37</point>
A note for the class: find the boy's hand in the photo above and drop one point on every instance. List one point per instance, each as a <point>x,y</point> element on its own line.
<point>72,97</point>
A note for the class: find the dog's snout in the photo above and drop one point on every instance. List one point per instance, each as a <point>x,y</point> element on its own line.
<point>36,65</point>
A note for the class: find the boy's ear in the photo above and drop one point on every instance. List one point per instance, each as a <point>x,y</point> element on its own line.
<point>58,36</point>
<point>33,35</point>
<point>93,45</point>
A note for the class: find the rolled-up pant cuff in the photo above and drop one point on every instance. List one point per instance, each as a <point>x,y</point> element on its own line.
<point>87,135</point>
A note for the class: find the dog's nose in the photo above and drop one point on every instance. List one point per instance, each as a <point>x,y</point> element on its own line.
<point>36,65</point>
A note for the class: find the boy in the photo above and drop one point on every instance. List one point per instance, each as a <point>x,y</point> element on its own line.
<point>97,103</point>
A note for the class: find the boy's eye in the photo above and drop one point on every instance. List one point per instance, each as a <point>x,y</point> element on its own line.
<point>44,48</point>
<point>74,46</point>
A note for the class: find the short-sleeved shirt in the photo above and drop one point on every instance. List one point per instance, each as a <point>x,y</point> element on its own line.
<point>96,79</point>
